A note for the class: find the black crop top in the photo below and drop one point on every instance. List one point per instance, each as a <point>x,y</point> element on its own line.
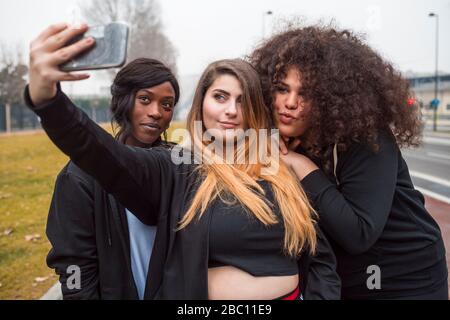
<point>240,240</point>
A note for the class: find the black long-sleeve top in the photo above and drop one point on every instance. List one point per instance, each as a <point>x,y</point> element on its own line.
<point>372,215</point>
<point>88,229</point>
<point>157,191</point>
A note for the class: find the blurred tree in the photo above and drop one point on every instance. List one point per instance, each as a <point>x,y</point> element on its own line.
<point>12,80</point>
<point>147,39</point>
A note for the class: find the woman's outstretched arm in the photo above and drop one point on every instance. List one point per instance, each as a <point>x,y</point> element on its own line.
<point>138,178</point>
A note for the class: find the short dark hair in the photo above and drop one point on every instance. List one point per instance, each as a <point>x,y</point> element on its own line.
<point>138,74</point>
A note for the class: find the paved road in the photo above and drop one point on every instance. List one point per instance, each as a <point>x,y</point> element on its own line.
<point>443,124</point>
<point>430,167</point>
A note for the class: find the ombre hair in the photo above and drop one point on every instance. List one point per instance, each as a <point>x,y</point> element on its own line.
<point>240,180</point>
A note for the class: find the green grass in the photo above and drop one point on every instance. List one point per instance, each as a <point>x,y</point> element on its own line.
<point>29,165</point>
<point>28,168</point>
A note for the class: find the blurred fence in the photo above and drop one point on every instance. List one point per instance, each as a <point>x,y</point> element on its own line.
<point>21,118</point>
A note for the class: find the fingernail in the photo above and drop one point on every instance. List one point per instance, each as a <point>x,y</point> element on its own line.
<point>89,40</point>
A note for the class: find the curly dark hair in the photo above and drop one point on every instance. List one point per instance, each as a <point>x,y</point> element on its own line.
<point>353,92</point>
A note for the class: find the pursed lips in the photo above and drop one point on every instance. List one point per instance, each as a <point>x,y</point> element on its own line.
<point>287,115</point>
<point>286,118</point>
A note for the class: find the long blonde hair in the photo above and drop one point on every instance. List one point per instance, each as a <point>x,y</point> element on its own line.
<point>240,180</point>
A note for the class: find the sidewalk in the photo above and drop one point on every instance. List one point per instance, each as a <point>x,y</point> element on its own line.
<point>54,293</point>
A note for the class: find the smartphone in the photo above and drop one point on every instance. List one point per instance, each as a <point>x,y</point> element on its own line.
<point>109,50</point>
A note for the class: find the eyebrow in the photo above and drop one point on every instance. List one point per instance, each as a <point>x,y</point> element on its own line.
<point>287,86</point>
<point>222,91</point>
<point>146,91</point>
<point>152,93</point>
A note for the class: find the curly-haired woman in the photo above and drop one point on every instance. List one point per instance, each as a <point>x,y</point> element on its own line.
<point>347,112</point>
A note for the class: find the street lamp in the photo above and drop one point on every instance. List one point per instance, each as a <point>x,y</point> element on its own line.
<point>267,13</point>
<point>436,75</point>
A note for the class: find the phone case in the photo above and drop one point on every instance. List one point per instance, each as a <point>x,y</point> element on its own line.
<point>109,51</point>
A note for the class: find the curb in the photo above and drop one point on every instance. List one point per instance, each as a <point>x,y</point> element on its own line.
<point>54,293</point>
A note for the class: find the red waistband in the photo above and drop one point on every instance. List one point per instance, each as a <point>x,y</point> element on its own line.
<point>294,295</point>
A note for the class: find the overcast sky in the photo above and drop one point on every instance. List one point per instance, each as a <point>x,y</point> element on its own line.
<point>206,30</point>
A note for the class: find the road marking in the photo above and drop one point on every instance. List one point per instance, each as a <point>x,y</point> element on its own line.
<point>431,178</point>
<point>424,157</point>
<point>444,142</point>
<point>433,195</point>
<point>438,155</point>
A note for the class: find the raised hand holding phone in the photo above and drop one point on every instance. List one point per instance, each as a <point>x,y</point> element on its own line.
<point>47,53</point>
<point>109,51</point>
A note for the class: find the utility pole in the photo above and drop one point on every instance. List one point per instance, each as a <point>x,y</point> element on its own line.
<point>267,13</point>
<point>436,74</point>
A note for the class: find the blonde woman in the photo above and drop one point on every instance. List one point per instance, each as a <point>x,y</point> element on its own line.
<point>232,230</point>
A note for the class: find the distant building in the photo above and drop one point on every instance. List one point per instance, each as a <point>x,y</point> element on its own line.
<point>423,88</point>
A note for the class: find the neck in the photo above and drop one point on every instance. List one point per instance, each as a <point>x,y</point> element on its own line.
<point>132,141</point>
<point>305,139</point>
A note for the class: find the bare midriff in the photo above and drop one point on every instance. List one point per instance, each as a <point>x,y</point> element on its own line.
<point>230,283</point>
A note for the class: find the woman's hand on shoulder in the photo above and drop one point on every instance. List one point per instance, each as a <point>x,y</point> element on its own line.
<point>288,144</point>
<point>47,52</point>
<point>300,164</point>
